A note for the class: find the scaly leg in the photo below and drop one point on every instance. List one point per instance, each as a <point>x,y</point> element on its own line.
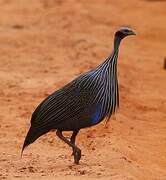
<point>76,150</point>
<point>73,139</point>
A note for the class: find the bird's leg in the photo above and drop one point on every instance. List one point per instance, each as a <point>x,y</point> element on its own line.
<point>76,150</point>
<point>73,138</point>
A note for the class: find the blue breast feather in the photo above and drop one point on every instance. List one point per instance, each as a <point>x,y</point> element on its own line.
<point>95,118</point>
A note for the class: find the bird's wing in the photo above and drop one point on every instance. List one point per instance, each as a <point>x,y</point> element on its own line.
<point>63,104</point>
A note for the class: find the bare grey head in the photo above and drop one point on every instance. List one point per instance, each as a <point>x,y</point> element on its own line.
<point>124,31</point>
<point>120,34</point>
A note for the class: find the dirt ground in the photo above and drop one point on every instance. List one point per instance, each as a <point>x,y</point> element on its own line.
<point>46,43</point>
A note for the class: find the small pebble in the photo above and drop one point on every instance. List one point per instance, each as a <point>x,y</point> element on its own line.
<point>165,63</point>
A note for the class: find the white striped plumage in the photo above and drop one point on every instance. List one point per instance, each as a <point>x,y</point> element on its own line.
<point>104,81</point>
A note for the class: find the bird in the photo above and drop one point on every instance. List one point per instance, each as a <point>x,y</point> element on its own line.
<point>84,102</point>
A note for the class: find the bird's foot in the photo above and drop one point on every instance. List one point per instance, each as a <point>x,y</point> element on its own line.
<point>77,155</point>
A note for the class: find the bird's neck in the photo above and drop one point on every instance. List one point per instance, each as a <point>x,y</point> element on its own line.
<point>112,59</point>
<point>114,55</point>
<point>117,41</point>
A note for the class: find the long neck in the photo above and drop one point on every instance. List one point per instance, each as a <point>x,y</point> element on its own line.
<point>117,41</point>
<point>112,59</point>
<point>114,55</point>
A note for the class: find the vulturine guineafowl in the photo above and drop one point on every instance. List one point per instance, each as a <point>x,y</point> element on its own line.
<point>83,102</point>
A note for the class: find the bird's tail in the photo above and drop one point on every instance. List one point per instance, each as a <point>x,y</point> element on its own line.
<point>32,135</point>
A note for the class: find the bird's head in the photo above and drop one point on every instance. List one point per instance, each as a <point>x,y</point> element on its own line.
<point>123,32</point>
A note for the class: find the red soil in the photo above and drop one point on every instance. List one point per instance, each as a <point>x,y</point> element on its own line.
<point>45,44</point>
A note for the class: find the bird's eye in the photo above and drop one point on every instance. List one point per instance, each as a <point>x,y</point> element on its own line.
<point>126,30</point>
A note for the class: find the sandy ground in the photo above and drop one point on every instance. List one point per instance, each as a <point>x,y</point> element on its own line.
<point>45,44</point>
